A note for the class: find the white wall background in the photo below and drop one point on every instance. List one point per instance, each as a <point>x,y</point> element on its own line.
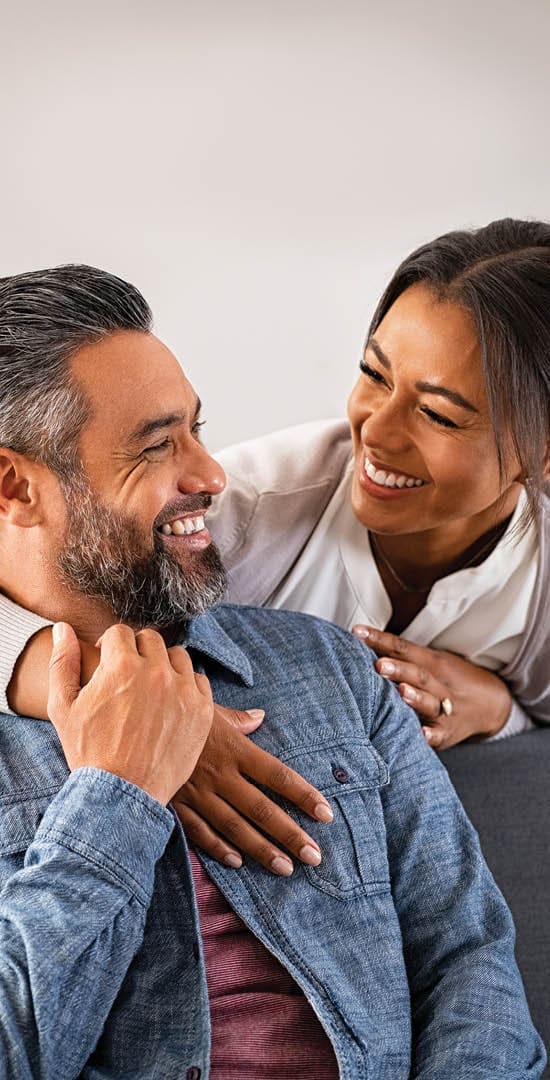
<point>259,167</point>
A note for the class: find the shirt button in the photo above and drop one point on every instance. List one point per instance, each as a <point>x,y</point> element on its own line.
<point>194,1073</point>
<point>340,774</point>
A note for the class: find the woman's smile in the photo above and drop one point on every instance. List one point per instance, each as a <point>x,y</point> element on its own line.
<point>384,481</point>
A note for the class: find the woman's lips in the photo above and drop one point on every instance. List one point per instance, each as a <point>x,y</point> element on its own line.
<point>401,484</point>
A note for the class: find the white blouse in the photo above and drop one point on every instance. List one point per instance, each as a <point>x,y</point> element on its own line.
<point>336,577</point>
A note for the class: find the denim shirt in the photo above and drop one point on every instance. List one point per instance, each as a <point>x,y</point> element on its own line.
<point>400,939</point>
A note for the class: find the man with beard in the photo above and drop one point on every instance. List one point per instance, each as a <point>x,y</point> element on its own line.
<point>123,953</point>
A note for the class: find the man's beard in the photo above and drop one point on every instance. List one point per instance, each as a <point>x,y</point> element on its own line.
<point>105,558</point>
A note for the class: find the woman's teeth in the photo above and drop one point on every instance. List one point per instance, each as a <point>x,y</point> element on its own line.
<point>390,479</point>
<point>183,526</point>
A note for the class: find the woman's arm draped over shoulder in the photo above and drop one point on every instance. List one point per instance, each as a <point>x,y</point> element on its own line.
<point>18,627</point>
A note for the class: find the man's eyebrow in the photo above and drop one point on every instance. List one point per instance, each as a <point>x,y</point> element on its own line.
<point>424,387</point>
<point>159,423</point>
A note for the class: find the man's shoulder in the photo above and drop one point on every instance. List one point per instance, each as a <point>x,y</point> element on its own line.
<point>293,637</point>
<point>318,685</point>
<point>295,621</point>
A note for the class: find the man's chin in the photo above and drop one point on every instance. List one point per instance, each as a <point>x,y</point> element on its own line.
<point>165,586</point>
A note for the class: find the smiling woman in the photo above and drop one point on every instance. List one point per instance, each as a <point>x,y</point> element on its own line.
<point>428,533</point>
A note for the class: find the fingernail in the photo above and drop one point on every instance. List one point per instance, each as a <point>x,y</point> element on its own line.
<point>361,631</point>
<point>310,855</point>
<point>233,860</point>
<point>386,667</point>
<point>58,632</point>
<point>323,812</point>
<point>428,734</point>
<point>281,866</point>
<point>256,714</point>
<point>409,694</point>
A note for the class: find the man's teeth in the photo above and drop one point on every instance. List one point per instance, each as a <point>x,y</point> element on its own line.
<point>183,526</point>
<point>390,479</point>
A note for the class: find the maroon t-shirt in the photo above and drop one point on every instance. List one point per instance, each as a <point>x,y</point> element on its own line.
<point>262,1023</point>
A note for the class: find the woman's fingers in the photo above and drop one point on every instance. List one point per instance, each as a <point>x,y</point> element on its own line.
<point>201,835</point>
<point>392,645</point>
<point>426,705</point>
<point>224,780</point>
<point>248,759</point>
<point>480,700</point>
<point>267,770</point>
<point>435,736</point>
<point>417,686</point>
<point>230,824</point>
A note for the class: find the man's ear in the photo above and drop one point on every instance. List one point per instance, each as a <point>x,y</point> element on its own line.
<point>20,498</point>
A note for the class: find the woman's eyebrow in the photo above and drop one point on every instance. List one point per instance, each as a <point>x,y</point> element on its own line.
<point>443,391</point>
<point>379,353</point>
<point>424,387</point>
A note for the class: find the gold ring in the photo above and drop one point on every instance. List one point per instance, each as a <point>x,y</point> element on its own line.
<point>446,706</point>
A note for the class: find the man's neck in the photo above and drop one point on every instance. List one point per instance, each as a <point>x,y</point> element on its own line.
<point>39,592</point>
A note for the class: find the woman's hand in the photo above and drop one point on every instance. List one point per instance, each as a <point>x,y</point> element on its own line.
<point>219,803</point>
<point>425,677</point>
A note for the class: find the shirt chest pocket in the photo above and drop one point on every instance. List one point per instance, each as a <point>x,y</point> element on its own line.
<point>349,774</point>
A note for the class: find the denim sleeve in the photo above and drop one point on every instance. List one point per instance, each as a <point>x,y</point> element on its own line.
<point>470,1016</point>
<point>71,921</point>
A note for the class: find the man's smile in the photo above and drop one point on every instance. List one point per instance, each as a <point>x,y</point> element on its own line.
<point>183,526</point>
<point>189,530</point>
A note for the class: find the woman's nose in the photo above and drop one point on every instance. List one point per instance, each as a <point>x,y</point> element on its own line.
<point>386,426</point>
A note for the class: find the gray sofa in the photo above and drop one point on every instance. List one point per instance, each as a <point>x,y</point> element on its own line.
<point>505,788</point>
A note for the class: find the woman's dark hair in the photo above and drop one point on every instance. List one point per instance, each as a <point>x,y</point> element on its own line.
<point>501,275</point>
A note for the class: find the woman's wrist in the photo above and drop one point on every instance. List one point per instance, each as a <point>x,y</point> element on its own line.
<point>496,718</point>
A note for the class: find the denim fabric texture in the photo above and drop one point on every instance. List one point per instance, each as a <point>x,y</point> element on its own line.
<point>400,938</point>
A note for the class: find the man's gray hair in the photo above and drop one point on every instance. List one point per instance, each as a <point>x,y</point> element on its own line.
<point>45,317</point>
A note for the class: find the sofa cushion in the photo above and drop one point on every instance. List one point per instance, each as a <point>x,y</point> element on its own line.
<point>505,788</point>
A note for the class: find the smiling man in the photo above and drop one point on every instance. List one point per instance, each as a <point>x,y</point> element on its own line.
<point>390,957</point>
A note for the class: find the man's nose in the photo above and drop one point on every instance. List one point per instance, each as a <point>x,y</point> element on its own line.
<point>200,472</point>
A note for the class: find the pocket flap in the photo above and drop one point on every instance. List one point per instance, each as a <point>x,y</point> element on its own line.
<point>337,767</point>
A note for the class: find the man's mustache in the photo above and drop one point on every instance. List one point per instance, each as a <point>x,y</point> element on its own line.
<point>190,504</point>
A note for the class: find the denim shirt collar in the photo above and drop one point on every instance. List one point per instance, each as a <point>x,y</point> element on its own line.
<point>205,635</point>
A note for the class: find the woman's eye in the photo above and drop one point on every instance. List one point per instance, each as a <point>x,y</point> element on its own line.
<point>437,418</point>
<point>371,373</point>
